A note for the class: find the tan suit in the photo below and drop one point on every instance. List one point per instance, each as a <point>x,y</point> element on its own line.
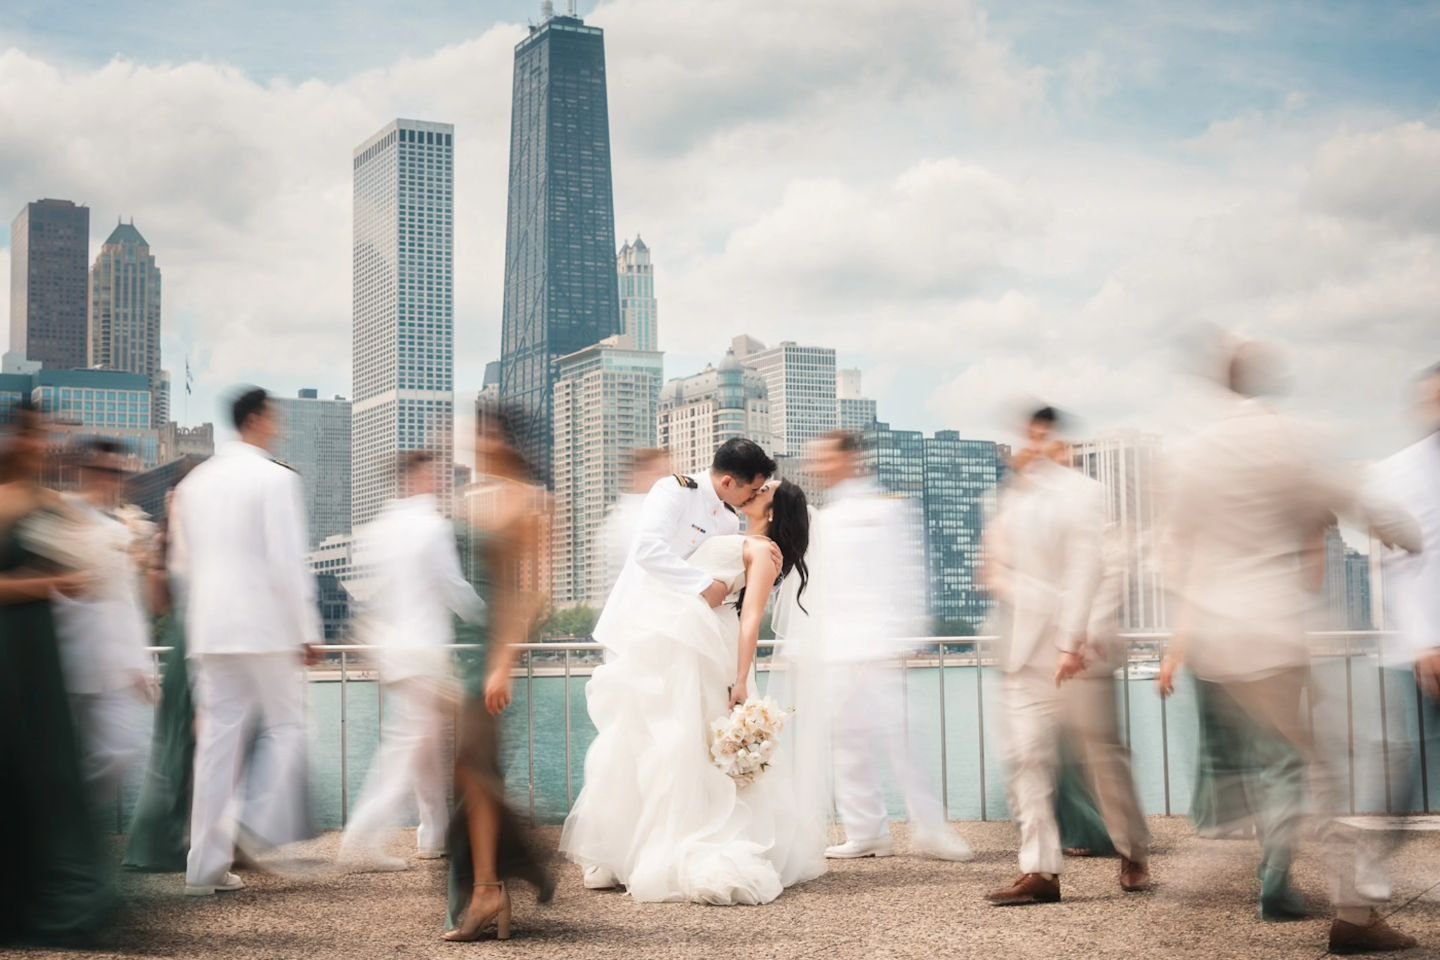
<point>1057,584</point>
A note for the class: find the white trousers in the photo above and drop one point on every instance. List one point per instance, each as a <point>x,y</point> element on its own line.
<point>235,694</point>
<point>410,761</point>
<point>868,700</point>
<point>114,728</point>
<point>1032,713</point>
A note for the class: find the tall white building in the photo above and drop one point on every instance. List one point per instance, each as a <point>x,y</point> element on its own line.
<point>801,385</point>
<point>700,412</point>
<point>855,410</point>
<point>317,444</point>
<point>404,313</point>
<point>639,320</point>
<point>605,405</point>
<point>1128,464</point>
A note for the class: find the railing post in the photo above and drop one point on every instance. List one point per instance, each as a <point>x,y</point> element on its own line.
<point>944,734</point>
<point>980,710</point>
<point>344,743</point>
<point>530,722</point>
<point>1350,724</point>
<point>1165,736</point>
<point>1424,759</point>
<point>569,786</point>
<point>1384,723</point>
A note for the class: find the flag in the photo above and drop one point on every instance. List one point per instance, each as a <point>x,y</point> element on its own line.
<point>189,377</point>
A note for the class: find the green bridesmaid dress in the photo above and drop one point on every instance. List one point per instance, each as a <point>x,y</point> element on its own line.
<point>56,881</point>
<point>1081,826</point>
<point>159,837</point>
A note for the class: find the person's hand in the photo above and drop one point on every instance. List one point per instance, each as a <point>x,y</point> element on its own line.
<point>739,693</point>
<point>1427,671</point>
<point>73,585</point>
<point>497,691</point>
<point>716,593</point>
<point>1165,682</point>
<point>312,654</point>
<point>1070,666</point>
<point>144,684</point>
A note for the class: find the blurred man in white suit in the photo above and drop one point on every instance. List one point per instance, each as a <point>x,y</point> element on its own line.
<point>1046,562</point>
<point>238,547</point>
<point>868,574</point>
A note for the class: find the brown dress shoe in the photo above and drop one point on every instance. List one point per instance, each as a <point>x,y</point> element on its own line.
<point>1377,936</point>
<point>1030,888</point>
<point>1134,877</point>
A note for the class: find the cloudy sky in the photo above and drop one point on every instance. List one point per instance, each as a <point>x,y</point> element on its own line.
<point>971,202</point>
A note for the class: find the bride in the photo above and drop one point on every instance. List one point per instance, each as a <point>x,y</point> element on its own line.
<point>655,812</point>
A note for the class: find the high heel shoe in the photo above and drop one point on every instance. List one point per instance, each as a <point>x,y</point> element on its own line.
<point>473,927</point>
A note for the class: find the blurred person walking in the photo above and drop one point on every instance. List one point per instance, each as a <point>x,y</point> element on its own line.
<point>1047,564</point>
<point>489,843</point>
<point>55,883</point>
<point>238,553</point>
<point>1248,496</point>
<point>869,606</point>
<point>412,585</point>
<point>647,468</point>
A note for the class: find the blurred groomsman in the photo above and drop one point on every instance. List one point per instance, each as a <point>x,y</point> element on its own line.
<point>868,577</point>
<point>104,632</point>
<point>648,467</point>
<point>1249,495</point>
<point>1047,564</point>
<point>413,584</point>
<point>238,551</point>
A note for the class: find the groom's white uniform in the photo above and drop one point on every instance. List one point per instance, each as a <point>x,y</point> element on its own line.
<point>678,514</point>
<point>869,578</point>
<point>238,549</point>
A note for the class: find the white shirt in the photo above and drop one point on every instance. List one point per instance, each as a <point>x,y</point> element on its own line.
<point>413,584</point>
<point>868,574</point>
<point>618,535</point>
<point>1247,499</point>
<point>104,634</point>
<point>1411,586</point>
<point>1050,545</point>
<point>238,544</point>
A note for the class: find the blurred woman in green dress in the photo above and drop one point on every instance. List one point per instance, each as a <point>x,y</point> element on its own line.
<point>489,843</point>
<point>55,881</point>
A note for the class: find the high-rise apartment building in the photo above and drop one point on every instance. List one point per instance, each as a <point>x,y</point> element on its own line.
<point>700,412</point>
<point>953,483</point>
<point>855,411</point>
<point>639,316</point>
<point>404,310</point>
<point>49,260</point>
<point>605,408</point>
<point>560,279</point>
<point>1357,591</point>
<point>801,384</point>
<point>1128,464</point>
<point>125,313</point>
<point>317,443</point>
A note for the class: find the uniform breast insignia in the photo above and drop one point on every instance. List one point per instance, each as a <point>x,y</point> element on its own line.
<point>697,527</point>
<point>687,482</point>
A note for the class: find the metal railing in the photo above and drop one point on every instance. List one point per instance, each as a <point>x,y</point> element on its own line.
<point>568,662</point>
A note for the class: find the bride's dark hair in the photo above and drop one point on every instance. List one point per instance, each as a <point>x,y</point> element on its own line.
<point>790,529</point>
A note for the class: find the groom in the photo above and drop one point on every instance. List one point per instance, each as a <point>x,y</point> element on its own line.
<point>678,514</point>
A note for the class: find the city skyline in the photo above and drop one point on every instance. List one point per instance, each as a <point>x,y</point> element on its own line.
<point>1096,197</point>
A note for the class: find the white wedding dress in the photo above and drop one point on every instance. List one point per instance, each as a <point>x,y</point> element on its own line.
<point>654,810</point>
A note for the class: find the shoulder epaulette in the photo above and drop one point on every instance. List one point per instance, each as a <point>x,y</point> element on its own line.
<point>731,509</point>
<point>687,482</point>
<point>282,463</point>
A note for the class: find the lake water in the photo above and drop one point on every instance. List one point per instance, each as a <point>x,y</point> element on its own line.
<point>1162,738</point>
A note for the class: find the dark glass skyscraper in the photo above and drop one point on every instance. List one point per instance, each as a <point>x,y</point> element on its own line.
<point>561,292</point>
<point>49,277</point>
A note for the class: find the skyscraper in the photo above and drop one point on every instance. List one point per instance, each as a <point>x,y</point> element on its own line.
<point>49,256</point>
<point>125,312</point>
<point>605,402</point>
<point>404,312</point>
<point>801,385</point>
<point>1128,463</point>
<point>316,443</point>
<point>700,412</point>
<point>856,411</point>
<point>639,320</point>
<point>560,280</point>
<point>953,482</point>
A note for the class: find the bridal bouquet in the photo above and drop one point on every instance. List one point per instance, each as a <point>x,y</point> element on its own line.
<point>743,743</point>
